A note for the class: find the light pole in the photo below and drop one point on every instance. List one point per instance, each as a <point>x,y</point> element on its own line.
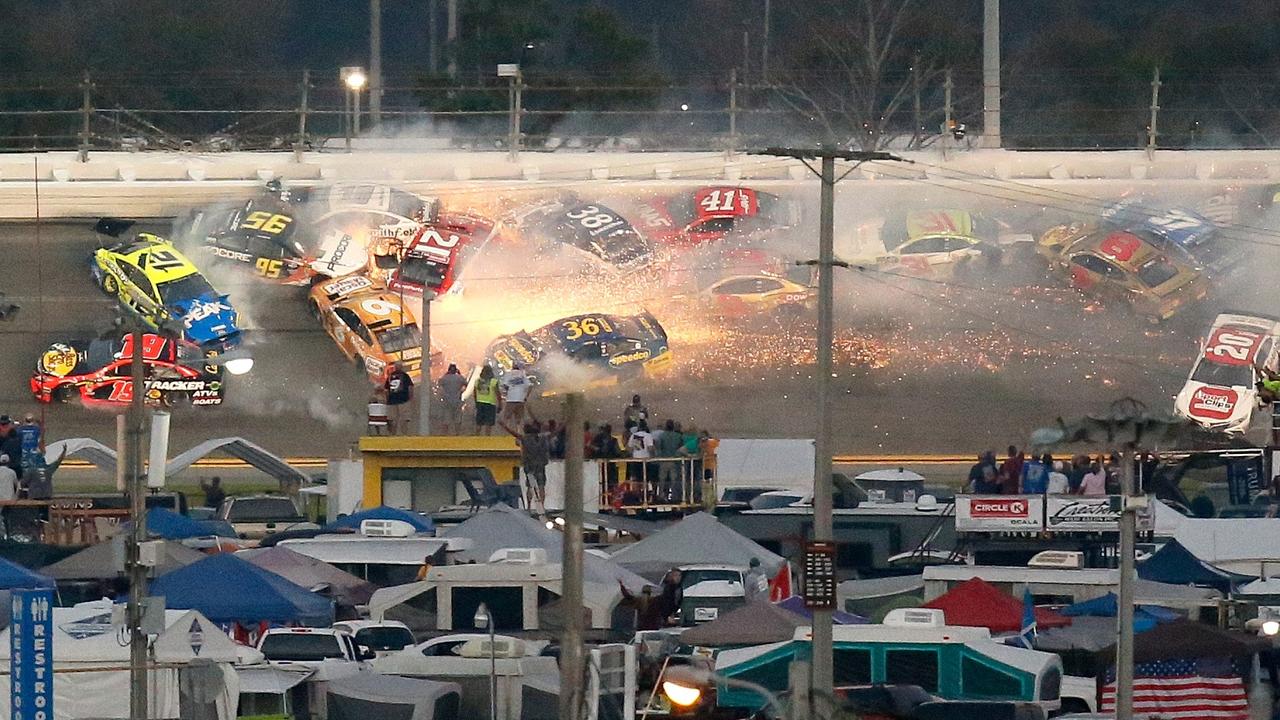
<point>515,86</point>
<point>353,79</point>
<point>375,61</point>
<point>484,620</point>
<point>137,508</point>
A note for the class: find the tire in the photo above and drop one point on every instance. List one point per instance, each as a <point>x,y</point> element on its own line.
<point>110,285</point>
<point>314,308</point>
<point>63,394</point>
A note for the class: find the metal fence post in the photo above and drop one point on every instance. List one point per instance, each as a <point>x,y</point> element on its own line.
<point>733,111</point>
<point>302,107</point>
<point>1155,111</point>
<point>86,114</point>
<point>947,86</point>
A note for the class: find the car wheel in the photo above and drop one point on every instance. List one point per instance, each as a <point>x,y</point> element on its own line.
<point>63,394</point>
<point>110,285</point>
<point>314,308</point>
<point>789,314</point>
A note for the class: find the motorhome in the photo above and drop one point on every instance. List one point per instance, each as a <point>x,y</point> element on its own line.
<point>913,647</point>
<point>379,554</point>
<point>1058,586</point>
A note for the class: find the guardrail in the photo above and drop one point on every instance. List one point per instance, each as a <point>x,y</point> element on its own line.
<point>679,484</point>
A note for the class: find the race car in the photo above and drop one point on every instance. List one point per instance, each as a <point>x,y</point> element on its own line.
<point>1219,393</point>
<point>708,214</point>
<point>757,294</point>
<point>593,229</point>
<point>264,235</point>
<point>937,242</point>
<point>433,259</point>
<point>369,325</point>
<point>150,277</point>
<point>381,209</point>
<point>1176,230</point>
<point>100,372</point>
<point>607,347</point>
<point>1121,265</point>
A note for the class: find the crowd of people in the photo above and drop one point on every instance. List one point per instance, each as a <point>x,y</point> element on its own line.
<point>20,458</point>
<point>1018,473</point>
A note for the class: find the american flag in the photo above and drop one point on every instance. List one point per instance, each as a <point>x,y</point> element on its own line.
<point>1183,689</point>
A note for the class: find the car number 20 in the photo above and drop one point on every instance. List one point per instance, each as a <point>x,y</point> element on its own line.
<point>1231,347</point>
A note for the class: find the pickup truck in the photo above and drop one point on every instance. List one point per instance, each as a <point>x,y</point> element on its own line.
<point>254,517</point>
<point>332,654</point>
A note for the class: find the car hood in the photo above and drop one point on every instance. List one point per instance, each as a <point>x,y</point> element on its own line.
<point>206,318</point>
<point>340,254</point>
<point>1215,405</point>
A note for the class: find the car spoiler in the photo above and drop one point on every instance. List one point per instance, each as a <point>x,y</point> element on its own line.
<point>112,227</point>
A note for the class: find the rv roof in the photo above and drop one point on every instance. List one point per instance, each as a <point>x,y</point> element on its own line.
<point>1002,574</point>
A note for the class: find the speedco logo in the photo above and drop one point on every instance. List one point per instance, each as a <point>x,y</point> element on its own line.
<point>1213,403</point>
<point>998,508</point>
<point>635,356</point>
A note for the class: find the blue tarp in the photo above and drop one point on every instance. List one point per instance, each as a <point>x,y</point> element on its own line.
<point>1145,617</point>
<point>15,577</point>
<point>352,521</point>
<point>167,524</point>
<point>226,589</point>
<point>1175,564</point>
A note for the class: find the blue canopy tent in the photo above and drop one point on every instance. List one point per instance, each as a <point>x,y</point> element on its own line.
<point>1145,617</point>
<point>169,525</point>
<point>795,604</point>
<point>16,577</point>
<point>1176,565</point>
<point>227,589</point>
<point>421,523</point>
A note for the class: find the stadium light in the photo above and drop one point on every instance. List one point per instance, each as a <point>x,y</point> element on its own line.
<point>354,78</point>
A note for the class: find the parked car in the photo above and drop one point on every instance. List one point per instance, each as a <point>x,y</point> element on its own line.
<point>254,517</point>
<point>383,638</point>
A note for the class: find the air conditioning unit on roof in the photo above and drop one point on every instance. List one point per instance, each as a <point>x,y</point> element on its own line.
<point>916,617</point>
<point>1059,559</point>
<point>387,528</point>
<point>520,556</point>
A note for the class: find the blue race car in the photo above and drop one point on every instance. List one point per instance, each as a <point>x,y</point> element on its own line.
<point>1175,229</point>
<point>605,347</point>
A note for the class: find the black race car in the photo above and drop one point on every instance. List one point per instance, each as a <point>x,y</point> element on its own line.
<point>262,234</point>
<point>605,346</point>
<point>591,228</point>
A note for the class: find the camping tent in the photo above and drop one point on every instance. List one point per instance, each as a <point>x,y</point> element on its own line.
<point>388,697</point>
<point>697,539</point>
<point>228,589</point>
<point>167,524</point>
<point>421,523</point>
<point>92,667</point>
<point>1145,617</point>
<point>1187,639</point>
<point>795,604</point>
<point>1087,633</point>
<point>1174,564</point>
<point>15,577</point>
<point>308,572</point>
<point>105,560</point>
<point>977,603</point>
<point>501,527</point>
<point>755,623</point>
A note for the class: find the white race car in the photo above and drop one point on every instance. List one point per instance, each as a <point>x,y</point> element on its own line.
<point>1220,393</point>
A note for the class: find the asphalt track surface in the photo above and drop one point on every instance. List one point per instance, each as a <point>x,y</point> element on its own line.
<point>921,367</point>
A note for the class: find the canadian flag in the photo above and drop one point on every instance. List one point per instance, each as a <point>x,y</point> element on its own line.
<point>780,585</point>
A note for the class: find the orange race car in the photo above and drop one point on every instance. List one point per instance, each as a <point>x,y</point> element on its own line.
<point>369,325</point>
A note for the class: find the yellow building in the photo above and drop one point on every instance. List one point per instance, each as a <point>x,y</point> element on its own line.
<point>425,473</point>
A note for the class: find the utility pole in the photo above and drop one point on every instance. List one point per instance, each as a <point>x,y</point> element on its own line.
<point>947,87</point>
<point>138,709</point>
<point>572,665</point>
<point>764,50</point>
<point>515,90</point>
<point>991,73</point>
<point>746,53</point>
<point>916,122</point>
<point>1124,614</point>
<point>424,387</point>
<point>433,36</point>
<point>86,113</point>
<point>1155,111</point>
<point>733,111</point>
<point>823,658</point>
<point>451,38</point>
<point>375,62</point>
<point>302,107</point>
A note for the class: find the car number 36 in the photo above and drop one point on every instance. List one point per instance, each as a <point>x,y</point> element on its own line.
<point>586,326</point>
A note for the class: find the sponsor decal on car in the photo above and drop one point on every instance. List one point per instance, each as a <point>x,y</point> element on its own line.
<point>630,357</point>
<point>1213,403</point>
<point>346,286</point>
<point>231,254</point>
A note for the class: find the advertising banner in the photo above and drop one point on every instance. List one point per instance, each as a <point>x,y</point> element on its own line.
<point>31,653</point>
<point>995,513</point>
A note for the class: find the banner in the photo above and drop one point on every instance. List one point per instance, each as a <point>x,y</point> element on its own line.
<point>31,655</point>
<point>995,513</point>
<point>1072,513</point>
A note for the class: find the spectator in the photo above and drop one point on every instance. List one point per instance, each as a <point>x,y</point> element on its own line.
<point>1058,482</point>
<point>640,445</point>
<point>672,592</point>
<point>587,436</point>
<point>1035,476</point>
<point>399,389</point>
<point>534,456</point>
<point>1094,482</point>
<point>555,441</point>
<point>452,384</point>
<point>634,414</point>
<point>668,444</point>
<point>1112,469</point>
<point>707,446</point>
<point>515,390</point>
<point>650,609</point>
<point>486,397</point>
<point>1079,467</point>
<point>1010,473</point>
<point>213,493</point>
<point>604,445</point>
<point>11,444</point>
<point>8,480</point>
<point>977,472</point>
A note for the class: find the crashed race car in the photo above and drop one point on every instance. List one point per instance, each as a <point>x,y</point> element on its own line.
<point>148,276</point>
<point>1176,230</point>
<point>593,230</point>
<point>381,209</point>
<point>1118,265</point>
<point>604,347</point>
<point>931,243</point>
<point>709,214</point>
<point>99,372</point>
<point>433,259</point>
<point>1220,392</point>
<point>369,326</point>
<point>261,234</point>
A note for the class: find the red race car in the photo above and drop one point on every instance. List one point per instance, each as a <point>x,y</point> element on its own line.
<point>708,214</point>
<point>101,374</point>
<point>433,259</point>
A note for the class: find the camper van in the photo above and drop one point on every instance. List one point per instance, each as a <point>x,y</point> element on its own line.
<point>913,647</point>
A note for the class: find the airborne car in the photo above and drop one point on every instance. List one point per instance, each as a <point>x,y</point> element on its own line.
<point>1219,393</point>
<point>368,325</point>
<point>937,242</point>
<point>433,259</point>
<point>262,235</point>
<point>1176,230</point>
<point>150,277</point>
<point>612,346</point>
<point>593,229</point>
<point>708,214</point>
<point>101,372</point>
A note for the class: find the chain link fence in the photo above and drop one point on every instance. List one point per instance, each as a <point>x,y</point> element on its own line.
<point>280,111</point>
